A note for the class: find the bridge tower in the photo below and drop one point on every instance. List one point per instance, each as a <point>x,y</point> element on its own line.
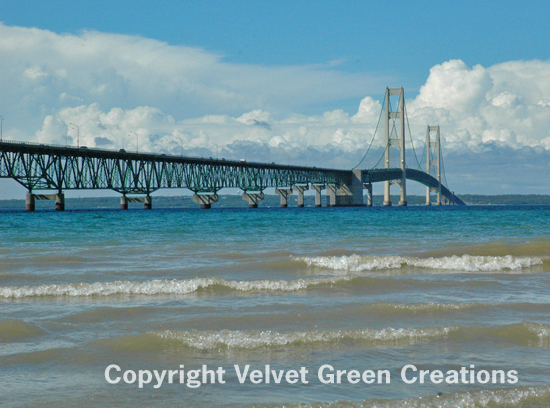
<point>395,140</point>
<point>430,162</point>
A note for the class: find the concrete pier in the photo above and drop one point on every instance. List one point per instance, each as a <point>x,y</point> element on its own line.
<point>30,201</point>
<point>253,199</point>
<point>387,201</point>
<point>318,188</point>
<point>283,193</point>
<point>148,203</point>
<point>59,202</point>
<point>368,187</point>
<point>300,190</point>
<point>30,204</point>
<point>344,195</point>
<point>205,200</point>
<point>356,189</point>
<point>331,194</point>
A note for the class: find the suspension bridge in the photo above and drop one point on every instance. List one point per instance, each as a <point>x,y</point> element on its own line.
<point>46,171</point>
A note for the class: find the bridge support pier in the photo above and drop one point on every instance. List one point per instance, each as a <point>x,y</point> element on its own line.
<point>356,189</point>
<point>300,190</point>
<point>387,200</point>
<point>403,199</point>
<point>368,187</point>
<point>253,199</point>
<point>318,188</point>
<point>283,193</point>
<point>342,196</point>
<point>30,204</point>
<point>347,195</point>
<point>60,202</point>
<point>148,203</point>
<point>30,201</point>
<point>205,200</point>
<point>331,195</point>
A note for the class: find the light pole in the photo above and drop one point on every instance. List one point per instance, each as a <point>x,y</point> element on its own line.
<point>1,120</point>
<point>77,134</point>
<point>137,140</point>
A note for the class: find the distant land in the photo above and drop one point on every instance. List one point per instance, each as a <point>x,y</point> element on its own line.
<point>232,201</point>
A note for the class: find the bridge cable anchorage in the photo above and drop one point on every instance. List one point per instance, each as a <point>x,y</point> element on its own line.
<point>373,137</point>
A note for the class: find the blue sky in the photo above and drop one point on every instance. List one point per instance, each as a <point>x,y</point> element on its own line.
<point>284,80</point>
<point>400,38</point>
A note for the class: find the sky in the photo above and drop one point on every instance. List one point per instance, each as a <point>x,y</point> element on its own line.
<point>288,82</point>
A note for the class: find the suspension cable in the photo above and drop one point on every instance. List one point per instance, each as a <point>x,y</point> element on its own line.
<point>373,136</point>
<point>410,136</point>
<point>422,158</point>
<point>388,145</point>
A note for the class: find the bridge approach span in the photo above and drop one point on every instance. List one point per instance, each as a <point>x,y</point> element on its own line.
<point>47,167</point>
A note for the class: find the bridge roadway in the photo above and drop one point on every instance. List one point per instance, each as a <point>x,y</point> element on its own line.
<point>59,168</point>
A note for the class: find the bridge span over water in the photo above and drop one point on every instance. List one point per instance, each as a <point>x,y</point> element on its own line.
<point>46,171</point>
<point>57,168</point>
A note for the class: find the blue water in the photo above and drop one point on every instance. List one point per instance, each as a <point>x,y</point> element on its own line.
<point>357,288</point>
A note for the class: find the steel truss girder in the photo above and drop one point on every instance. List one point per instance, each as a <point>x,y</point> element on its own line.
<point>45,167</point>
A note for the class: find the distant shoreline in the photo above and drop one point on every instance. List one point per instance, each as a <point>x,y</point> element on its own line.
<point>233,201</point>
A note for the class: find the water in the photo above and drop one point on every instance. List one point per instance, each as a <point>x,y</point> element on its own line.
<point>357,289</point>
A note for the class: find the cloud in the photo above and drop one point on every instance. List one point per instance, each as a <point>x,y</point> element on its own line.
<point>108,90</point>
<point>43,72</point>
<point>503,103</point>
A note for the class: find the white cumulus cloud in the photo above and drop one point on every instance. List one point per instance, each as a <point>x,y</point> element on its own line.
<point>110,90</point>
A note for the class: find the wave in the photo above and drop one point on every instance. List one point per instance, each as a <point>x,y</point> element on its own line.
<point>219,286</point>
<point>162,287</point>
<point>425,307</point>
<point>524,397</point>
<point>538,247</point>
<point>526,334</point>
<point>17,330</point>
<point>237,339</point>
<point>464,263</point>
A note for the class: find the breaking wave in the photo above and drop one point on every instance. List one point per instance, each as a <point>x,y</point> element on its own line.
<point>228,339</point>
<point>464,263</point>
<point>524,397</point>
<point>162,287</point>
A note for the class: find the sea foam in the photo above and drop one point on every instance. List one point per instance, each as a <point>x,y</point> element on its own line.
<point>162,287</point>
<point>524,397</point>
<point>464,263</point>
<point>236,339</point>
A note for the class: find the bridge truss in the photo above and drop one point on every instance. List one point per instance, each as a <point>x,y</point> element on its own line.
<point>46,167</point>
